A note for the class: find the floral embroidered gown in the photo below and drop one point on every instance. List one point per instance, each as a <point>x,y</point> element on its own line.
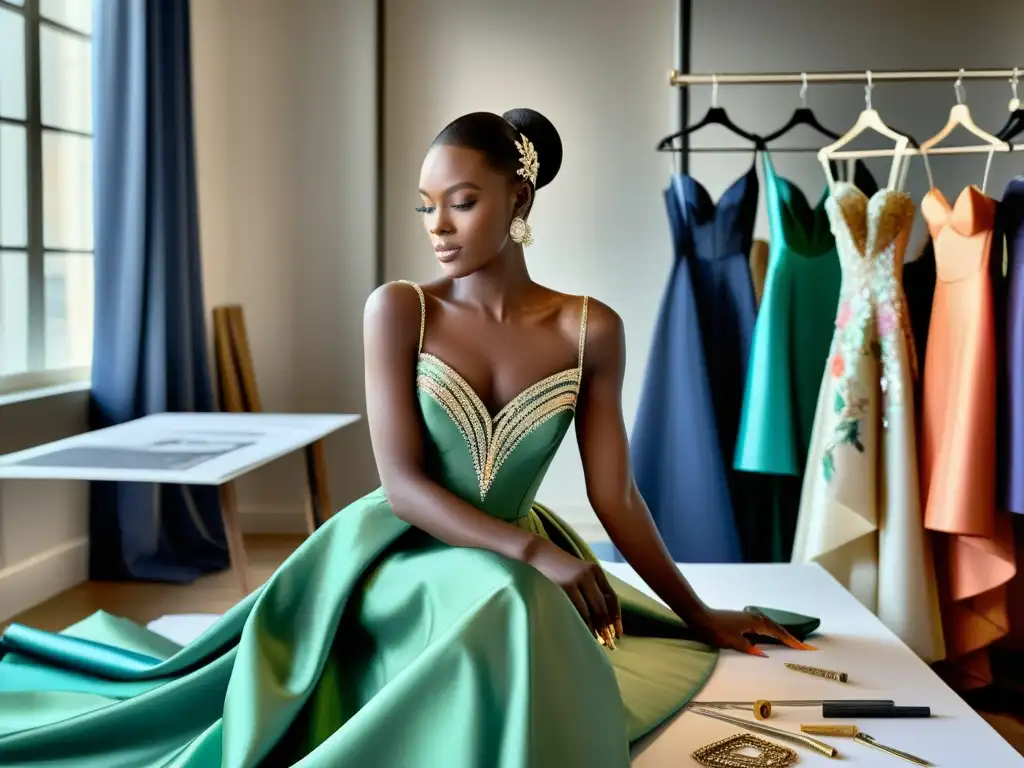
<point>860,509</point>
<point>375,645</point>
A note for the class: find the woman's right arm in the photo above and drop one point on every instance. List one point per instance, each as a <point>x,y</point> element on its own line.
<point>391,325</point>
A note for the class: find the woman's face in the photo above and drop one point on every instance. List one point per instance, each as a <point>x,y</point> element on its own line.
<point>467,208</point>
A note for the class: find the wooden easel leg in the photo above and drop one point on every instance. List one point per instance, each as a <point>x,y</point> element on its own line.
<point>233,534</point>
<point>318,501</point>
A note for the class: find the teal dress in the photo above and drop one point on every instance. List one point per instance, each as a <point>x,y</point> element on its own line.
<point>791,343</point>
<point>374,644</point>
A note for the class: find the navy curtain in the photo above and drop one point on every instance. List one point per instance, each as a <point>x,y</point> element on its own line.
<point>150,344</point>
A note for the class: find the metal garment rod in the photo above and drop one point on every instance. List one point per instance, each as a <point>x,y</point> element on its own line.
<point>684,43</point>
<point>859,153</point>
<point>785,78</point>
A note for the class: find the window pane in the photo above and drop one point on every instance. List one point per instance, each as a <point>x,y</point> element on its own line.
<point>76,14</point>
<point>67,191</point>
<point>13,313</point>
<point>66,80</point>
<point>69,309</point>
<point>13,187</point>
<point>12,64</point>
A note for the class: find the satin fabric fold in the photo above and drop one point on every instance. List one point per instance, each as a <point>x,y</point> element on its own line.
<point>975,555</point>
<point>682,439</point>
<point>1011,216</point>
<point>455,663</point>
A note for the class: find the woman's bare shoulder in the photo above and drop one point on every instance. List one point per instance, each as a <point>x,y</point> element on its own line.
<point>606,336</point>
<point>388,299</point>
<point>604,333</point>
<point>603,322</point>
<point>399,295</point>
<point>395,311</point>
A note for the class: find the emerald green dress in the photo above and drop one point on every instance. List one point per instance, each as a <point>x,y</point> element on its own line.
<point>374,644</point>
<point>789,350</point>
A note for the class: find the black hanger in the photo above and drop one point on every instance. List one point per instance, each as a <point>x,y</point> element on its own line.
<point>801,116</point>
<point>1014,126</point>
<point>804,115</point>
<point>714,116</point>
<point>1015,122</point>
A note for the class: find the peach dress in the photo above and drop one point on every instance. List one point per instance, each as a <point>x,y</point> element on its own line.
<point>974,541</point>
<point>860,508</point>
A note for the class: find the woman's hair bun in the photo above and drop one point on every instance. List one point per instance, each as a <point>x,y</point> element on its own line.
<point>539,130</point>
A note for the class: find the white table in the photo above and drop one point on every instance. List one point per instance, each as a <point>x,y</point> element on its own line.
<point>852,640</point>
<point>188,449</point>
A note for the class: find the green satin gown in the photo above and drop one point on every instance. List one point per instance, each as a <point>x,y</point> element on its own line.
<point>374,644</point>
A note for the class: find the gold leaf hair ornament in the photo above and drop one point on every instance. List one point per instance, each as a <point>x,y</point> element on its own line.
<point>528,159</point>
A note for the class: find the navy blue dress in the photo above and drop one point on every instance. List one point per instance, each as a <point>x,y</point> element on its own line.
<point>686,425</point>
<point>1009,291</point>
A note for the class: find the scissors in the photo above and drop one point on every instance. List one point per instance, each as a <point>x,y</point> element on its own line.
<point>864,738</point>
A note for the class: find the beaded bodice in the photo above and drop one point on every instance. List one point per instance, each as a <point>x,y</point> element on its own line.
<point>871,320</point>
<point>494,462</point>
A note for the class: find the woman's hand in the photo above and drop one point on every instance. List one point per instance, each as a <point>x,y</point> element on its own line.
<point>729,629</point>
<point>585,584</point>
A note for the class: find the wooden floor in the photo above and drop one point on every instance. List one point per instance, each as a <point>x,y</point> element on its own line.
<point>142,602</point>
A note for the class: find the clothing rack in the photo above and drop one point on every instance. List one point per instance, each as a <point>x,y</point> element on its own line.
<point>869,78</point>
<point>682,80</point>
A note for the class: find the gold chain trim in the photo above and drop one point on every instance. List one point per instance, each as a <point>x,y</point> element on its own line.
<point>491,442</point>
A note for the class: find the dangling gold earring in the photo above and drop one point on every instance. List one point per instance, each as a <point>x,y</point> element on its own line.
<point>521,232</point>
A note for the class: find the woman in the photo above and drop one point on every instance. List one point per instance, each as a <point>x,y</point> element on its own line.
<point>445,619</point>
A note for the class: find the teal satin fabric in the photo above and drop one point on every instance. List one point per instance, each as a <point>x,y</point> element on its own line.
<point>372,645</point>
<point>793,332</point>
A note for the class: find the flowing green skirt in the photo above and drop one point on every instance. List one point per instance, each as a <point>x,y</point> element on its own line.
<point>372,645</point>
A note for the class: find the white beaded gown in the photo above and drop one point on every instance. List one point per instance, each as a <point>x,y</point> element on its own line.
<point>860,509</point>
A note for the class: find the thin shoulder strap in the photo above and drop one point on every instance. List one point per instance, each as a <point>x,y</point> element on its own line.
<point>583,336</point>
<point>423,311</point>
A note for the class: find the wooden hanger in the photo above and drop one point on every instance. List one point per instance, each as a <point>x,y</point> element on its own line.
<point>960,115</point>
<point>869,119</point>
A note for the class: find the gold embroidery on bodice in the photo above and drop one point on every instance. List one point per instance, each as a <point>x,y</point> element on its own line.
<point>871,319</point>
<point>492,440</point>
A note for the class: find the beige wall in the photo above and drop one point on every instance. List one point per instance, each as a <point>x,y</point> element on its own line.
<point>43,525</point>
<point>286,141</point>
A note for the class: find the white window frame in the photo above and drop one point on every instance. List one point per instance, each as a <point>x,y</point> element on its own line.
<point>38,376</point>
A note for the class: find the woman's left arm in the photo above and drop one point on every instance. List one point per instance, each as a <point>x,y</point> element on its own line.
<point>612,492</point>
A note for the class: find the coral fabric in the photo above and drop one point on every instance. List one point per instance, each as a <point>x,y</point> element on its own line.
<point>974,539</point>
